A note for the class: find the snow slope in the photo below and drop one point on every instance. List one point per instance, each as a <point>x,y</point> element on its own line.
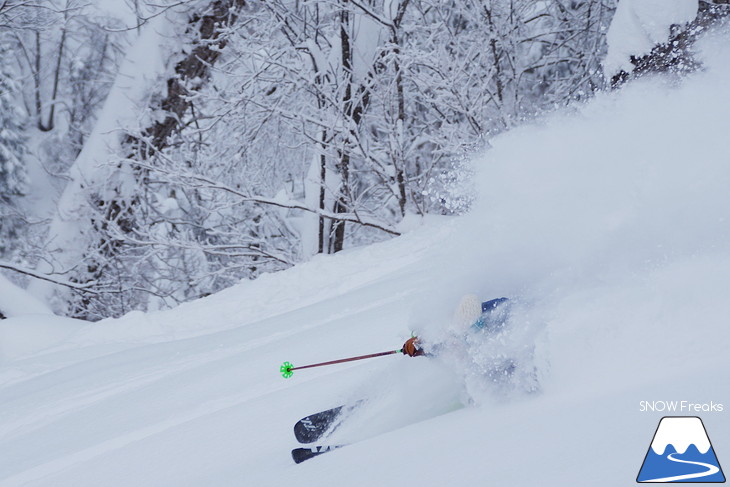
<point>608,225</point>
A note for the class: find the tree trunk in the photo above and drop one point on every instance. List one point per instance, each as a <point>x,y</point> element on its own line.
<point>338,227</point>
<point>195,66</point>
<point>322,197</point>
<point>400,163</point>
<point>56,78</point>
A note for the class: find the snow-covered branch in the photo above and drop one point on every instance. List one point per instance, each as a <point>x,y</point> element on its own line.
<point>203,182</point>
<point>86,287</point>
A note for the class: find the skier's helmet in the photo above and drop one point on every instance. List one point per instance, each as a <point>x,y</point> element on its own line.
<point>466,314</point>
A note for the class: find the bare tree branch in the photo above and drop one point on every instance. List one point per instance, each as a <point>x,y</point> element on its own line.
<point>86,287</point>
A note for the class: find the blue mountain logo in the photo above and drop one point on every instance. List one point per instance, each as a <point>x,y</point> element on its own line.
<point>681,452</point>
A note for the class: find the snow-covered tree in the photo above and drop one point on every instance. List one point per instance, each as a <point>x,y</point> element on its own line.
<point>105,203</point>
<point>13,174</point>
<point>243,137</point>
<point>323,125</point>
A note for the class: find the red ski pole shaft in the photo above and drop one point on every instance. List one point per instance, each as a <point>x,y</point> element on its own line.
<point>361,357</point>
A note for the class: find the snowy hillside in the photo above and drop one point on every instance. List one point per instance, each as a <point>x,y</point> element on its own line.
<point>618,267</point>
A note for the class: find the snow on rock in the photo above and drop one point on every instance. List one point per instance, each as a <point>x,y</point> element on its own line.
<point>639,25</point>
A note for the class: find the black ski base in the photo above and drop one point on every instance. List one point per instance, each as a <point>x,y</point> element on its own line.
<point>301,454</point>
<point>313,427</point>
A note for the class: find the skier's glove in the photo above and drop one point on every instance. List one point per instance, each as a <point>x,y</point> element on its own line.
<point>412,348</point>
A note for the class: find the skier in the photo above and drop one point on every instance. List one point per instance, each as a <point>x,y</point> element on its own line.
<point>468,346</point>
<point>471,317</point>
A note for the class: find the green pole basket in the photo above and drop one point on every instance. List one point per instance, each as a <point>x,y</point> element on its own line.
<point>286,370</point>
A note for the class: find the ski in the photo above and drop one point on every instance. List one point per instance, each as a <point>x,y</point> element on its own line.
<point>313,427</point>
<point>301,454</point>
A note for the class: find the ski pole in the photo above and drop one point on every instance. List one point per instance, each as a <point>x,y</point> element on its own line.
<point>287,369</point>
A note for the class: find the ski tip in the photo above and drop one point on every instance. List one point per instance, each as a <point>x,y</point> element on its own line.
<point>286,370</point>
<point>301,454</point>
